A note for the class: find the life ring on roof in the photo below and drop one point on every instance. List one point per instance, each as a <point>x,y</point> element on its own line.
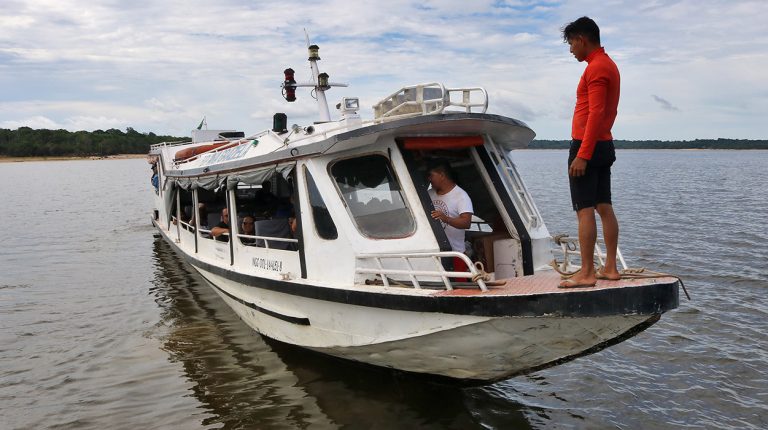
<point>191,152</point>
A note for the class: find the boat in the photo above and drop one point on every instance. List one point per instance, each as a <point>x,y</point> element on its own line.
<point>344,258</point>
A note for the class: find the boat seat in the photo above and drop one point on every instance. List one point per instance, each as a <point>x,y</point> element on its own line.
<point>275,227</point>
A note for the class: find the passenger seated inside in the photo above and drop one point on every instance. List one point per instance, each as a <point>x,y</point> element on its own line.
<point>202,211</point>
<point>202,215</point>
<point>221,231</point>
<point>265,200</point>
<point>247,228</point>
<point>275,227</point>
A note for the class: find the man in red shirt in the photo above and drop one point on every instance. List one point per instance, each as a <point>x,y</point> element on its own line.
<point>592,152</point>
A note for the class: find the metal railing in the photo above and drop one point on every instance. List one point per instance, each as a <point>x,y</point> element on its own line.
<point>466,98</point>
<point>514,184</point>
<point>266,240</point>
<point>187,226</point>
<point>427,99</point>
<point>169,144</point>
<point>413,274</point>
<point>569,246</point>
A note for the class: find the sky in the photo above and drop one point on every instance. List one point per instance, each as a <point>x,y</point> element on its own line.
<point>690,69</point>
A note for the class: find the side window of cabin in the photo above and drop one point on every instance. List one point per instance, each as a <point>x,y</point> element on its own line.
<point>324,224</point>
<point>265,210</point>
<point>209,210</point>
<point>373,197</point>
<point>187,210</point>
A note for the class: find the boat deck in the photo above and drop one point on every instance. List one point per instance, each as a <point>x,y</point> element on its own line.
<point>547,283</point>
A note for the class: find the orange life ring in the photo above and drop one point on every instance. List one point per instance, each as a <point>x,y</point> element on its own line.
<point>191,152</point>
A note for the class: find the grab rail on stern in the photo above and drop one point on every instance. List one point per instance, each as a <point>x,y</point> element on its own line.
<point>413,274</point>
<point>569,246</point>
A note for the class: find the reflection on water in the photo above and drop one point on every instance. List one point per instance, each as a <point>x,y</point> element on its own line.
<point>245,380</point>
<point>104,327</point>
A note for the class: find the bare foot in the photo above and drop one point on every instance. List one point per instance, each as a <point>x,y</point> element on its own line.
<point>609,275</point>
<point>578,281</point>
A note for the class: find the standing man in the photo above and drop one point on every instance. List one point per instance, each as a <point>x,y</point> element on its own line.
<point>592,152</point>
<point>453,208</point>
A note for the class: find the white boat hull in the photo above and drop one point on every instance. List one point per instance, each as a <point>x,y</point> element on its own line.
<point>464,347</point>
<point>349,290</point>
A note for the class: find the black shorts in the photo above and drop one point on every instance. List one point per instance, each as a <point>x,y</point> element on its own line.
<point>595,186</point>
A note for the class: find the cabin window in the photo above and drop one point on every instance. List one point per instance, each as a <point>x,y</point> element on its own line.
<point>186,204</point>
<point>265,210</point>
<point>324,224</point>
<point>209,212</point>
<point>373,197</point>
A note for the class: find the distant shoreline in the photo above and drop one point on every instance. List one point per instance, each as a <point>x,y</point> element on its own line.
<point>4,159</point>
<point>697,144</point>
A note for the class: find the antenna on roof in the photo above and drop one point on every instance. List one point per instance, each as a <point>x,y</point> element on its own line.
<point>319,82</point>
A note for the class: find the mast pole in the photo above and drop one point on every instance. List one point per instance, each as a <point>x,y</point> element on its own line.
<point>322,103</point>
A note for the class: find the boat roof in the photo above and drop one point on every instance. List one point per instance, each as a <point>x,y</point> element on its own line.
<point>270,148</point>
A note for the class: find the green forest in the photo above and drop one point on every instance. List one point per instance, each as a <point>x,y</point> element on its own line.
<point>28,142</point>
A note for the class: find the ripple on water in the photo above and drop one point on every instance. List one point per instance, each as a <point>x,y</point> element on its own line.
<point>104,327</point>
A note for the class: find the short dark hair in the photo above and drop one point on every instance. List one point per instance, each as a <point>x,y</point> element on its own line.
<point>583,26</point>
<point>443,167</point>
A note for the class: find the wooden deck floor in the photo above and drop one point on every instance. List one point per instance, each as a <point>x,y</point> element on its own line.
<point>547,283</point>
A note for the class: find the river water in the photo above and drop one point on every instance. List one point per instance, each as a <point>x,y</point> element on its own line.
<point>103,326</point>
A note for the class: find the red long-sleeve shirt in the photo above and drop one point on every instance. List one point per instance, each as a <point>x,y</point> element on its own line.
<point>597,101</point>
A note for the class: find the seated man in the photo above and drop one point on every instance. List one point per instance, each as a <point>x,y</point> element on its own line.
<point>221,231</point>
<point>246,227</point>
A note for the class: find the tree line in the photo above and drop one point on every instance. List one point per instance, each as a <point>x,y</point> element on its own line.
<point>664,144</point>
<point>28,142</point>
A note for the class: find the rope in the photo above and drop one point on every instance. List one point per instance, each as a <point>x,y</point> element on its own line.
<point>485,276</point>
<point>563,274</point>
<point>558,238</point>
<point>643,273</point>
<point>628,273</point>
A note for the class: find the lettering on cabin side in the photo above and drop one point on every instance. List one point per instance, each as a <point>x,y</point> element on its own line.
<point>263,263</point>
<point>225,155</point>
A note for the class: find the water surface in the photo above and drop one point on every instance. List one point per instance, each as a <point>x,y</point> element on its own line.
<point>103,326</point>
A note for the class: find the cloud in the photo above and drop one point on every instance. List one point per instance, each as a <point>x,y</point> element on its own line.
<point>161,66</point>
<point>665,104</point>
<point>37,121</point>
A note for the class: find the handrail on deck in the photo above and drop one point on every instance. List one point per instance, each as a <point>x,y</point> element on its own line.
<point>266,239</point>
<point>413,274</point>
<point>514,183</point>
<point>427,99</point>
<point>569,246</point>
<point>169,144</point>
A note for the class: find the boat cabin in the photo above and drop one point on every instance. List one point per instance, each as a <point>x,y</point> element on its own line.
<point>349,204</point>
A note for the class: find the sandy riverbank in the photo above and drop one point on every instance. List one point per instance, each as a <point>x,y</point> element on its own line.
<point>109,157</point>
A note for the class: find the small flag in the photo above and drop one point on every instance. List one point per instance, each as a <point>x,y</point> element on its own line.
<point>200,127</point>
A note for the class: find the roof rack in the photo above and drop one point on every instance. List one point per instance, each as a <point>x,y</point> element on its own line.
<point>428,99</point>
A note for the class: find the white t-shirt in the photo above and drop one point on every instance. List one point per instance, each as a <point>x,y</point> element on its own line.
<point>453,203</point>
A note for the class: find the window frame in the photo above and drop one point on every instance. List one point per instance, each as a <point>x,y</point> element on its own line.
<point>309,177</point>
<point>396,177</point>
